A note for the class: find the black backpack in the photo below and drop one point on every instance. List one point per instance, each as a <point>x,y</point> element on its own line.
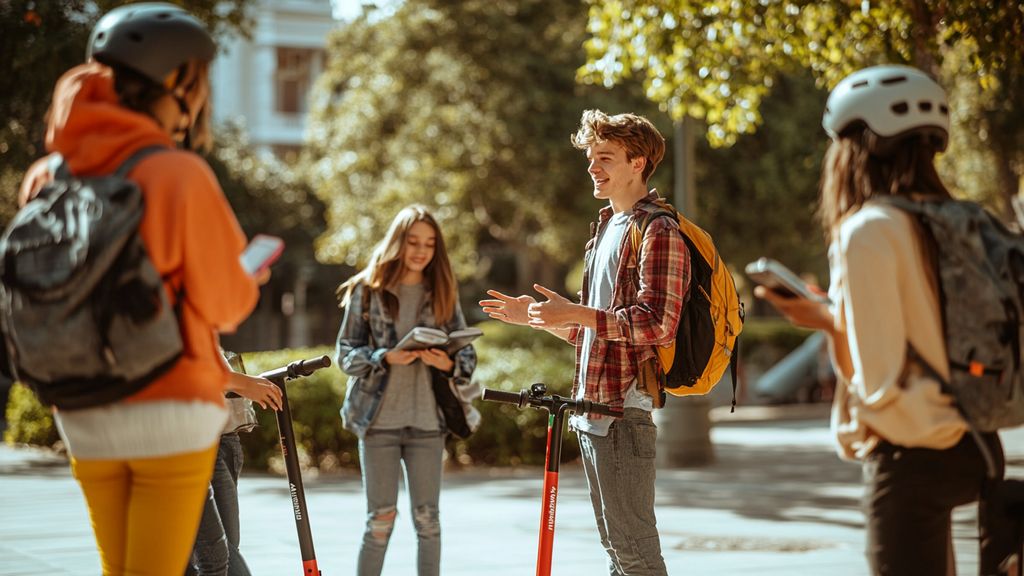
<point>85,317</point>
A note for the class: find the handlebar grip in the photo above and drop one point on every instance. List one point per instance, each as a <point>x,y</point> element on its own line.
<point>310,365</point>
<point>589,407</point>
<point>492,395</point>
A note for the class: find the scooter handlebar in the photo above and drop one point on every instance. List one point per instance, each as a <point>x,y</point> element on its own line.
<point>588,407</point>
<point>297,369</point>
<point>310,365</point>
<point>524,398</point>
<point>502,396</point>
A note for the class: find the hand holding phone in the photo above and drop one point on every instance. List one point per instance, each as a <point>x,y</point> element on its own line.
<point>781,280</point>
<point>262,251</point>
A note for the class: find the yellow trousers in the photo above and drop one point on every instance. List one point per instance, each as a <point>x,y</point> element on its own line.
<point>145,511</point>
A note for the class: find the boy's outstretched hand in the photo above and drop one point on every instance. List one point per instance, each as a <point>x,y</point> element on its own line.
<point>557,312</point>
<point>508,309</point>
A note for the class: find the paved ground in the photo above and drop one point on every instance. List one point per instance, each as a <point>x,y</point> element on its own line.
<point>776,502</point>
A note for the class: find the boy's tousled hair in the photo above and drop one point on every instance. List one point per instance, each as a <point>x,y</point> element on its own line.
<point>634,133</point>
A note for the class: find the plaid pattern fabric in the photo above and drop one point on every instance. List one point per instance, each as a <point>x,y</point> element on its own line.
<point>646,305</point>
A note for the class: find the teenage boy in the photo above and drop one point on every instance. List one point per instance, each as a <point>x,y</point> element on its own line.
<point>628,305</point>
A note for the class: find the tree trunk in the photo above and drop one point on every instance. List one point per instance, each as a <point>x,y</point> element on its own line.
<point>924,32</point>
<point>1009,180</point>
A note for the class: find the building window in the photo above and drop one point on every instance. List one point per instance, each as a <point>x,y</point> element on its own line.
<point>296,68</point>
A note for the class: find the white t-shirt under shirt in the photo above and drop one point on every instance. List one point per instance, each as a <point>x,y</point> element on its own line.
<point>603,270</point>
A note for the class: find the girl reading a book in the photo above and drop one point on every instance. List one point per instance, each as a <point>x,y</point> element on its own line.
<point>390,403</point>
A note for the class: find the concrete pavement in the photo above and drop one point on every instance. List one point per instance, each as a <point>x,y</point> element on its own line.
<point>777,501</point>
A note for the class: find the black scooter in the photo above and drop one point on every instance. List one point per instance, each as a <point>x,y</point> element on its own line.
<point>280,376</point>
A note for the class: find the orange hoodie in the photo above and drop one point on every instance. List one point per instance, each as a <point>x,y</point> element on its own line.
<point>188,227</point>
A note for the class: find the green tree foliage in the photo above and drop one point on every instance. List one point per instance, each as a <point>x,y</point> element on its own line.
<point>40,40</point>
<point>268,196</point>
<point>465,107</point>
<point>717,59</point>
<point>765,186</point>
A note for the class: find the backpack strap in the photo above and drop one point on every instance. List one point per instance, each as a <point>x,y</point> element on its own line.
<point>58,167</point>
<point>636,238</point>
<point>136,157</point>
<point>639,228</point>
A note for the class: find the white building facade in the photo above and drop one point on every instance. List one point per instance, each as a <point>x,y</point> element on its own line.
<point>263,83</point>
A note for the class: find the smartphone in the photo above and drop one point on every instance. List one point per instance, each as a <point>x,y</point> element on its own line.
<point>773,275</point>
<point>262,251</point>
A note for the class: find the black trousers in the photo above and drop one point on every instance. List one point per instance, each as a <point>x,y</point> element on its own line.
<point>911,493</point>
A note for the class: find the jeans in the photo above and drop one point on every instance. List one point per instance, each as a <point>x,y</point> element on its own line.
<point>620,473</point>
<point>910,495</point>
<point>216,548</point>
<point>381,452</point>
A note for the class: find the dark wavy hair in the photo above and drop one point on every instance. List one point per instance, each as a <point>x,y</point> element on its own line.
<point>851,174</point>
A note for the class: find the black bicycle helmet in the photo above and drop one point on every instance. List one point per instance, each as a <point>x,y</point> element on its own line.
<point>893,101</point>
<point>151,38</point>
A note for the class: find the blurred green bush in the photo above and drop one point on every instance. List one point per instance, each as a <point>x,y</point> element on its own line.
<point>315,402</point>
<point>512,358</point>
<point>28,421</point>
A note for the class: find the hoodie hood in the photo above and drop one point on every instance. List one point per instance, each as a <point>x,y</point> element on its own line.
<point>90,128</point>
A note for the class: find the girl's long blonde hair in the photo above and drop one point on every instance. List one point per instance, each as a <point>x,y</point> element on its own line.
<point>387,267</point>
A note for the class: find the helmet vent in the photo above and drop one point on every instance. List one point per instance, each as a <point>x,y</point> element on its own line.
<point>135,37</point>
<point>894,80</point>
<point>900,108</point>
<point>944,109</point>
<point>163,15</point>
<point>860,84</point>
<point>924,106</point>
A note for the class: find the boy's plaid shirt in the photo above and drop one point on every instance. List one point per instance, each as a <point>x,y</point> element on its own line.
<point>645,307</point>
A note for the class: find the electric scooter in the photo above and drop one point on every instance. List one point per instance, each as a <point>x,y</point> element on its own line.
<point>556,406</point>
<point>279,376</point>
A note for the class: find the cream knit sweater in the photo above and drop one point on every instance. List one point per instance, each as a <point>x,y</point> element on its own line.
<point>882,299</point>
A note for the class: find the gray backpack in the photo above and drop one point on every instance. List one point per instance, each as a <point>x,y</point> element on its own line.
<point>980,265</point>
<point>85,317</point>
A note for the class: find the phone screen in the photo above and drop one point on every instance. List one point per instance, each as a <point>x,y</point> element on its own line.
<point>262,251</point>
<point>781,280</point>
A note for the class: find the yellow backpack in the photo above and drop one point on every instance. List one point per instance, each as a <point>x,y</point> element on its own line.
<point>712,318</point>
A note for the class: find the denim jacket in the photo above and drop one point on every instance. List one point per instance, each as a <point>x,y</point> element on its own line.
<point>362,358</point>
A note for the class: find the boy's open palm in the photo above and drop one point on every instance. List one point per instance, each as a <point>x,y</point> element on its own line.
<point>510,309</point>
<point>557,312</point>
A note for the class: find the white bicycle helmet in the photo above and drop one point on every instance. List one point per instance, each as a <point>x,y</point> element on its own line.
<point>893,101</point>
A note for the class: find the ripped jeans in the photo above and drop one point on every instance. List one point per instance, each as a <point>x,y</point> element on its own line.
<point>381,453</point>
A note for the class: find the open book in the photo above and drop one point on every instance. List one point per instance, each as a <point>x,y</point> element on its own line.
<point>421,338</point>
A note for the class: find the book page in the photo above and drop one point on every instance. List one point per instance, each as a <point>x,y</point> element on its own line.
<point>421,338</point>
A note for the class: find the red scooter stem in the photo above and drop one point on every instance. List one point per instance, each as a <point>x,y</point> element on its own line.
<point>556,407</point>
<point>549,502</point>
